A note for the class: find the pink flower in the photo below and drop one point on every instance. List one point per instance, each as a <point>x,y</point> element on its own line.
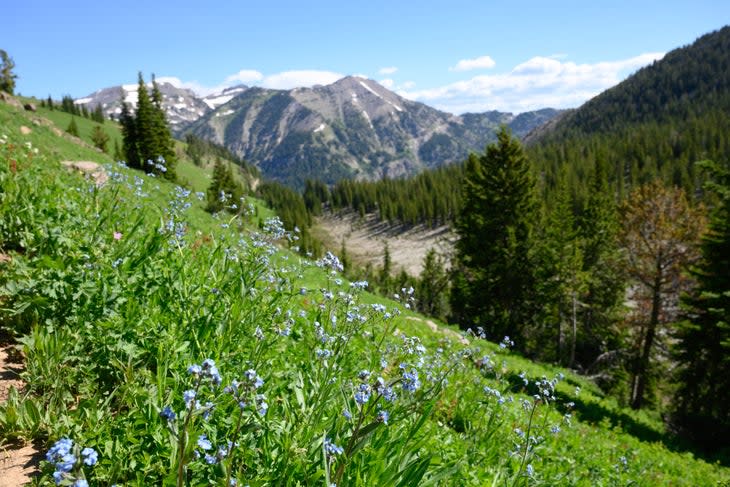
<point>117,235</point>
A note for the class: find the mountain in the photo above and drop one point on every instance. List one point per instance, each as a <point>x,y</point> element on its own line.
<point>656,124</point>
<point>353,128</point>
<point>688,82</point>
<point>182,105</point>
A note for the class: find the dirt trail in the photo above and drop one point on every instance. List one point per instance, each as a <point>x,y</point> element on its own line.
<point>445,331</point>
<point>18,462</point>
<point>365,240</point>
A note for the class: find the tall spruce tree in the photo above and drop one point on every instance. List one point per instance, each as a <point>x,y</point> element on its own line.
<point>599,345</point>
<point>145,128</point>
<point>224,192</point>
<point>129,137</point>
<point>161,133</point>
<point>493,285</point>
<point>561,280</point>
<point>702,403</point>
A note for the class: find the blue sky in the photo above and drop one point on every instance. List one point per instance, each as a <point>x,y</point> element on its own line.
<point>455,55</point>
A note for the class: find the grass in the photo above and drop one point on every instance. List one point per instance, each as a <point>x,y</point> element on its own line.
<point>113,293</point>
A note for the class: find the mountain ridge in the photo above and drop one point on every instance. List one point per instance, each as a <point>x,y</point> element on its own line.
<point>352,128</point>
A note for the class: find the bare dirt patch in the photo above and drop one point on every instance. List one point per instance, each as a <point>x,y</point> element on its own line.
<point>439,329</point>
<point>365,240</point>
<point>18,462</point>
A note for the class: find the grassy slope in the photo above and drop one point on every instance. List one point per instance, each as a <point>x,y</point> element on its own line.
<point>590,452</point>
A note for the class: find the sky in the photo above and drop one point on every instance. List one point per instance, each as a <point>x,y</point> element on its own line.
<point>457,55</point>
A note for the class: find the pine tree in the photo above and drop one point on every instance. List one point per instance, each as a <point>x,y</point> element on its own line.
<point>145,129</point>
<point>561,278</point>
<point>493,285</point>
<point>129,137</point>
<point>599,341</point>
<point>224,192</point>
<point>99,138</point>
<point>7,77</point>
<point>72,128</point>
<point>433,284</point>
<point>702,403</point>
<point>161,133</point>
<point>660,232</point>
<point>49,103</point>
<point>98,115</point>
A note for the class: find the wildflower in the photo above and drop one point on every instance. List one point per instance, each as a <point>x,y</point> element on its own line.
<point>210,459</point>
<point>204,443</point>
<point>331,448</point>
<point>167,413</point>
<point>117,235</point>
<point>410,381</point>
<point>80,483</point>
<point>188,397</point>
<point>90,456</point>
<point>383,416</point>
<point>194,369</point>
<point>347,414</point>
<point>530,470</point>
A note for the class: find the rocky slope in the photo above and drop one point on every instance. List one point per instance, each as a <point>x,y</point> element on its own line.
<point>353,128</point>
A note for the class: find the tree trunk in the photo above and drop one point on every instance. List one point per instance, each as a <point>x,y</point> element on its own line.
<point>643,362</point>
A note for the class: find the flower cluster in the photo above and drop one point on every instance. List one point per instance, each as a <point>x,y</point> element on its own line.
<point>68,462</point>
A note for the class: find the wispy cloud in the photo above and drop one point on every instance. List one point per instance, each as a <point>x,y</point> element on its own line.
<point>281,81</point>
<point>537,83</point>
<point>297,79</point>
<point>484,62</point>
<point>388,70</point>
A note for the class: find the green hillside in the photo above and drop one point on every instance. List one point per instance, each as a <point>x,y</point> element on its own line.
<point>121,297</point>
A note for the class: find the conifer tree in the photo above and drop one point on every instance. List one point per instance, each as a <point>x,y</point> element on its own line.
<point>72,127</point>
<point>493,285</point>
<point>433,285</point>
<point>660,233</point>
<point>7,77</point>
<point>224,192</point>
<point>702,403</point>
<point>49,103</point>
<point>129,137</point>
<point>161,133</point>
<point>561,279</point>
<point>99,138</point>
<point>145,128</point>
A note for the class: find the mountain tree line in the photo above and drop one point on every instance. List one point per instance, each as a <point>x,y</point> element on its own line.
<point>147,141</point>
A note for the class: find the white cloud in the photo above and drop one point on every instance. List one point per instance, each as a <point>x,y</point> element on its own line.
<point>388,70</point>
<point>244,76</point>
<point>537,83</point>
<point>297,79</point>
<point>387,82</point>
<point>484,62</point>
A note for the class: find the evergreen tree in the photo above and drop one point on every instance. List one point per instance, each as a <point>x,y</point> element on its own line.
<point>129,137</point>
<point>493,286</point>
<point>145,129</point>
<point>97,115</point>
<point>384,279</point>
<point>702,403</point>
<point>49,103</point>
<point>99,138</point>
<point>165,146</point>
<point>72,128</point>
<point>599,344</point>
<point>7,77</point>
<point>224,192</point>
<point>561,280</point>
<point>432,287</point>
<point>660,231</point>
<point>118,153</point>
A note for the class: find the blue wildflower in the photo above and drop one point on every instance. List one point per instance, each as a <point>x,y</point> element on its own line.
<point>167,413</point>
<point>204,443</point>
<point>383,416</point>
<point>90,456</point>
<point>188,397</point>
<point>331,448</point>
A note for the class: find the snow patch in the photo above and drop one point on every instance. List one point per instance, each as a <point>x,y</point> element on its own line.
<point>81,101</point>
<point>370,89</point>
<point>367,117</point>
<point>217,100</point>
<point>223,114</point>
<point>321,127</point>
